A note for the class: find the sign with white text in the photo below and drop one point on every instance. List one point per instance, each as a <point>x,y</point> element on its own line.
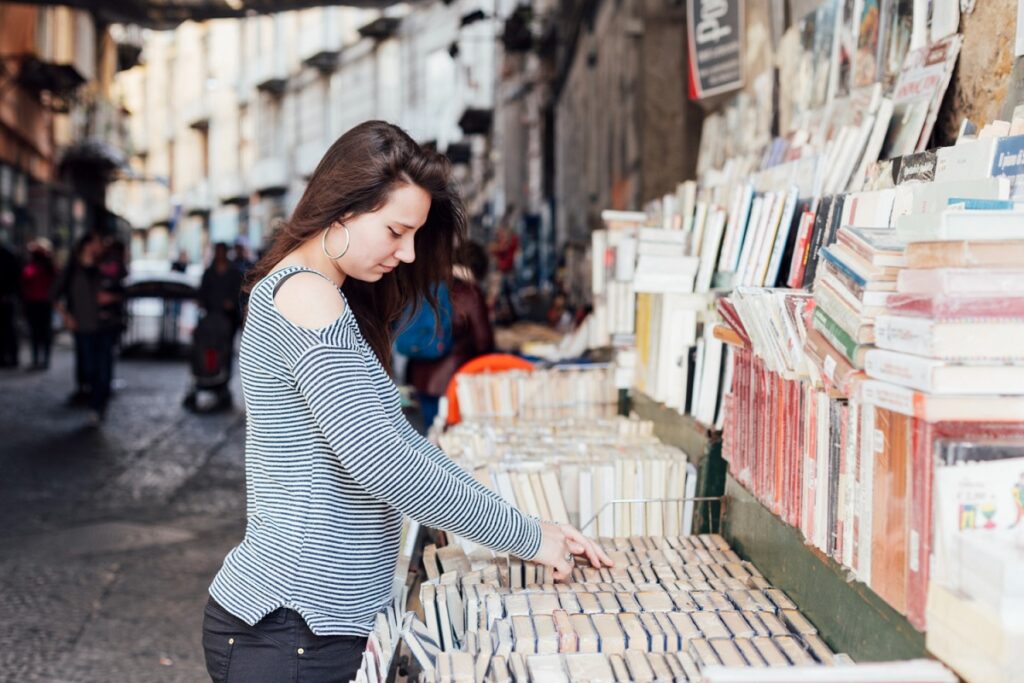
<point>715,41</point>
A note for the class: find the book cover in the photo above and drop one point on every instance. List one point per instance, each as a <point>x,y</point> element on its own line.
<point>995,281</point>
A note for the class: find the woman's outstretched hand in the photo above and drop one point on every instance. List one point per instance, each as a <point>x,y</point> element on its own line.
<point>560,543</point>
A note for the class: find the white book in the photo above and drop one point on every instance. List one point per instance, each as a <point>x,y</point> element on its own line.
<point>932,281</point>
<point>625,259</point>
<point>586,502</point>
<point>675,350</point>
<point>917,198</point>
<point>938,408</point>
<point>954,340</point>
<point>762,254</point>
<point>697,234</point>
<point>943,377</point>
<point>758,217</point>
<point>710,378</point>
<point>955,224</point>
<point>779,247</point>
<point>869,444</point>
<point>969,160</point>
<point>737,226</point>
<point>605,480</point>
<point>710,249</point>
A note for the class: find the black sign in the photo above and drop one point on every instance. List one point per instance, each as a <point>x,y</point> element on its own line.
<point>715,36</point>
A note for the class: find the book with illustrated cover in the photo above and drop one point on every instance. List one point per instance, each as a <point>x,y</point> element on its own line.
<point>920,87</point>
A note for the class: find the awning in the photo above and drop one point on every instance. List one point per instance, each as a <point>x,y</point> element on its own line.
<point>166,14</point>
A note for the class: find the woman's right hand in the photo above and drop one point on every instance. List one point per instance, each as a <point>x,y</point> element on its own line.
<point>560,543</point>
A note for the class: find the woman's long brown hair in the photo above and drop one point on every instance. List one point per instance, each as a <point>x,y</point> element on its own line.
<point>355,176</point>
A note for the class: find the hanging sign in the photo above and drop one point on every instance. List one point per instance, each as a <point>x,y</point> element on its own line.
<point>715,41</point>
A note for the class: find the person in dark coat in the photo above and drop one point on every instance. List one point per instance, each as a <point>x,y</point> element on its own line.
<point>472,332</point>
<point>221,286</point>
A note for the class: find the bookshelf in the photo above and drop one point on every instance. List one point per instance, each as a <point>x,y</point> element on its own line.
<point>701,444</point>
<point>849,615</point>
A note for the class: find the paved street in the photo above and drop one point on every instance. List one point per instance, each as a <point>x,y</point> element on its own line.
<point>109,537</point>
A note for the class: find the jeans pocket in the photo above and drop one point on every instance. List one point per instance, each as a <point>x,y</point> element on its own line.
<point>219,638</point>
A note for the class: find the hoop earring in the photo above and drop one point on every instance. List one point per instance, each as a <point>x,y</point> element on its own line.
<point>323,242</point>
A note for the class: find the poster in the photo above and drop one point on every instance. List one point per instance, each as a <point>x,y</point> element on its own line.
<point>715,43</point>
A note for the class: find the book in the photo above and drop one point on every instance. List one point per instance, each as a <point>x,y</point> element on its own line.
<point>939,408</point>
<point>876,246</point>
<point>954,224</point>
<point>1001,281</point>
<point>965,254</point>
<point>957,339</point>
<point>955,306</point>
<point>840,338</point>
<point>943,377</point>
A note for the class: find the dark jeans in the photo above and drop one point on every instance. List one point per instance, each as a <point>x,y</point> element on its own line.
<point>39,315</point>
<point>95,352</point>
<point>278,649</point>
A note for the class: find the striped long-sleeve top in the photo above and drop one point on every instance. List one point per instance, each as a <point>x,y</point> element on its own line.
<point>331,467</point>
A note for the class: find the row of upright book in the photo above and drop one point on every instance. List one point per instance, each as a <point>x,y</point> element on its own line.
<point>847,306</point>
<point>844,402</point>
<point>672,608</point>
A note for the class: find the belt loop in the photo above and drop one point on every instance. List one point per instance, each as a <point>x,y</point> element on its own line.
<point>282,615</point>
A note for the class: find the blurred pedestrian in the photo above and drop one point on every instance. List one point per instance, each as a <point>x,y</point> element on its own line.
<point>221,286</point>
<point>88,298</point>
<point>10,275</point>
<point>37,280</point>
<point>242,258</point>
<point>503,249</point>
<point>180,265</point>
<point>472,332</point>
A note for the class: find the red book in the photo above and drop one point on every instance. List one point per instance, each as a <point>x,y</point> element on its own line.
<point>803,242</point>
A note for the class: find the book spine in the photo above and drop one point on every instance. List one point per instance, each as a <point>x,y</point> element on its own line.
<point>837,336</point>
<point>911,335</point>
<point>893,398</point>
<point>846,270</point>
<point>843,315</point>
<point>905,370</point>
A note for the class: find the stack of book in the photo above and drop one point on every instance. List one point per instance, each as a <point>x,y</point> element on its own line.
<point>951,342</point>
<point>670,607</point>
<point>673,608</point>
<point>574,471</point>
<point>854,278</point>
<point>584,391</point>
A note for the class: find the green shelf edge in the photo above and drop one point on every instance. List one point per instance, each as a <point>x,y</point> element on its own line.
<point>850,616</point>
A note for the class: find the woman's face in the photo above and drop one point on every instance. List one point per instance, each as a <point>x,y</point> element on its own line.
<point>382,239</point>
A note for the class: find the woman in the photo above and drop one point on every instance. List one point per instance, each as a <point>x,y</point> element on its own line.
<point>37,280</point>
<point>472,333</point>
<point>331,463</point>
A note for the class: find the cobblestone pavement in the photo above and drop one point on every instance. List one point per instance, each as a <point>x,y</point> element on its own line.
<point>109,537</point>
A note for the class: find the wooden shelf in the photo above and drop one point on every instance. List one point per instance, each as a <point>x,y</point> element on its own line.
<point>850,616</point>
<point>703,448</point>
